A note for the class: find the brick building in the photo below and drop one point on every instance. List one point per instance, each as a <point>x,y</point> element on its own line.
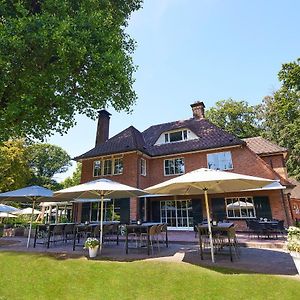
<point>163,151</point>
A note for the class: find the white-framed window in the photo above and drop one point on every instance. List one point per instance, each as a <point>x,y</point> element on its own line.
<point>176,136</point>
<point>174,166</point>
<point>97,169</point>
<point>143,167</point>
<point>118,166</point>
<point>107,169</point>
<point>220,161</point>
<point>240,208</point>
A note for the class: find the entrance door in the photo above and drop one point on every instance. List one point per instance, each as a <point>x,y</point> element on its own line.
<point>177,214</point>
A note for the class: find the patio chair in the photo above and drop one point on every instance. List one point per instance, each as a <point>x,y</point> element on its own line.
<point>232,242</point>
<point>56,234</point>
<point>69,232</point>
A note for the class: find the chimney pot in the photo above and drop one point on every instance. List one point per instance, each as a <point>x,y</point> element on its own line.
<point>102,127</point>
<point>198,109</point>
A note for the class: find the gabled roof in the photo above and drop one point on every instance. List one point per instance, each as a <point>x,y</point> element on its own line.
<point>210,137</point>
<point>261,146</point>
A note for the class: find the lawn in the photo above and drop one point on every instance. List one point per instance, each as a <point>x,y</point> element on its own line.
<point>37,276</point>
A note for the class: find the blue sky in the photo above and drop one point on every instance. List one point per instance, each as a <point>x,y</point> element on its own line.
<point>190,50</point>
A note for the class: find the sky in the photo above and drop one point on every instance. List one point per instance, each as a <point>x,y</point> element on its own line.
<point>191,50</point>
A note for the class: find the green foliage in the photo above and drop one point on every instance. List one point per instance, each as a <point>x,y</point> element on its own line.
<point>74,179</point>
<point>293,239</point>
<point>237,117</point>
<point>282,116</point>
<point>62,57</point>
<point>14,169</point>
<point>91,243</point>
<point>45,160</point>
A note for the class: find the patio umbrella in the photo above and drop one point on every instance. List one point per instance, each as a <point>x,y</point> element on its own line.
<point>7,209</point>
<point>7,215</point>
<point>100,188</point>
<point>32,194</point>
<point>208,181</point>
<point>28,211</point>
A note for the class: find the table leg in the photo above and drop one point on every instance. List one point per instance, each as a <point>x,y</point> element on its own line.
<point>126,242</point>
<point>74,238</point>
<point>167,241</point>
<point>200,244</point>
<point>148,241</point>
<point>35,236</point>
<point>230,250</point>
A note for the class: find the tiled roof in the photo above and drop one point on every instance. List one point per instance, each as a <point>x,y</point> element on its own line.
<point>261,146</point>
<point>127,140</point>
<point>210,137</point>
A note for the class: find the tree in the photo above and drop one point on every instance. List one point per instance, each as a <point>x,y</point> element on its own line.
<point>62,57</point>
<point>45,160</point>
<point>282,115</point>
<point>237,117</point>
<point>74,179</point>
<point>14,169</point>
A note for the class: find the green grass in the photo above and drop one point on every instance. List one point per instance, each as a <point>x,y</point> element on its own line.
<point>37,276</point>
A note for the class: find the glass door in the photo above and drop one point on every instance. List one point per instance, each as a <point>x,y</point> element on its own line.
<point>177,214</point>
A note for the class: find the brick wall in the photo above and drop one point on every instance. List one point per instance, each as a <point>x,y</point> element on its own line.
<point>244,161</point>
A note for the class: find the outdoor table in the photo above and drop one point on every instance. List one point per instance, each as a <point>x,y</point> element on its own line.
<point>268,227</point>
<point>220,228</point>
<point>143,228</point>
<point>86,229</point>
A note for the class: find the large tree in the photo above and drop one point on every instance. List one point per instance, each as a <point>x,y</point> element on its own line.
<point>46,160</point>
<point>237,117</point>
<point>62,57</point>
<point>282,115</point>
<point>14,169</point>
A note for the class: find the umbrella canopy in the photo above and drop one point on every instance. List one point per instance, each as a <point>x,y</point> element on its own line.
<point>33,193</point>
<point>7,215</point>
<point>7,209</point>
<point>99,188</point>
<point>214,181</point>
<point>28,211</point>
<point>208,181</point>
<point>27,194</point>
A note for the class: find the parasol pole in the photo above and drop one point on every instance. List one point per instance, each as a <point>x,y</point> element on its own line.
<point>31,220</point>
<point>209,226</point>
<point>101,223</point>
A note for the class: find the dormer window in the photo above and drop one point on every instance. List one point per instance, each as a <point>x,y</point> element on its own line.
<point>175,136</point>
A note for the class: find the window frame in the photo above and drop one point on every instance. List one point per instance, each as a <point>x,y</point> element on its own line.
<point>218,153</point>
<point>240,199</point>
<point>174,166</point>
<point>184,136</point>
<point>101,168</point>
<point>120,159</point>
<point>143,167</point>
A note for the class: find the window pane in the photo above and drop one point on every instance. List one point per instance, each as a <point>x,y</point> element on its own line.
<point>220,161</point>
<point>107,167</point>
<point>175,136</point>
<point>179,166</point>
<point>240,207</point>
<point>118,168</point>
<point>97,168</point>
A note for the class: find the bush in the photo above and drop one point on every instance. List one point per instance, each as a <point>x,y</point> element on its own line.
<point>293,239</point>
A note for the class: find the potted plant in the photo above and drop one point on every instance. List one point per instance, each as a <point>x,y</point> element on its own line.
<point>93,245</point>
<point>293,245</point>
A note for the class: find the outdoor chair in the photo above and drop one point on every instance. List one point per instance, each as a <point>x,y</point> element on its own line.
<point>231,241</point>
<point>56,234</point>
<point>69,232</point>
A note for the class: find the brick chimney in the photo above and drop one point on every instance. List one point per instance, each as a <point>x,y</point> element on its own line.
<point>198,109</point>
<point>103,127</point>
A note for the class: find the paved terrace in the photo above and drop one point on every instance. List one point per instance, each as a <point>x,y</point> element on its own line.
<point>257,255</point>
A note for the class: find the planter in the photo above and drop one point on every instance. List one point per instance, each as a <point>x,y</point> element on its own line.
<point>93,251</point>
<point>296,258</point>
